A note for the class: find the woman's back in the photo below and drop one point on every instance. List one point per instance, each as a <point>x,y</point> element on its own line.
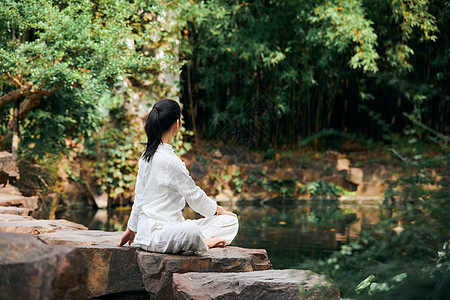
<point>163,186</point>
<point>156,195</point>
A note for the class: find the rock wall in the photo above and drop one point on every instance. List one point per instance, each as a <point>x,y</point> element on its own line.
<point>233,173</point>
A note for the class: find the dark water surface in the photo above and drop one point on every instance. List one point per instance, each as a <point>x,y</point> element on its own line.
<point>289,231</point>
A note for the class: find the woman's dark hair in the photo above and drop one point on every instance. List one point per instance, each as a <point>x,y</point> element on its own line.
<point>162,116</point>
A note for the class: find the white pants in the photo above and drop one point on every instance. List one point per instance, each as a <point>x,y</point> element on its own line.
<point>188,235</point>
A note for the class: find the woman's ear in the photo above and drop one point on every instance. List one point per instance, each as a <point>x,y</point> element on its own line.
<point>176,127</point>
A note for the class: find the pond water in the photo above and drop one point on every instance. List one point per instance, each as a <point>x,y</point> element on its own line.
<point>290,231</point>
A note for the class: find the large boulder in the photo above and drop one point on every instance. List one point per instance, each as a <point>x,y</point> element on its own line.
<point>269,284</point>
<point>114,269</point>
<point>31,269</point>
<point>111,269</point>
<point>157,269</point>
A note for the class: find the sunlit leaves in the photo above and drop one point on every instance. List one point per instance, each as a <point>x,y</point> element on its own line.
<point>75,43</point>
<point>343,25</point>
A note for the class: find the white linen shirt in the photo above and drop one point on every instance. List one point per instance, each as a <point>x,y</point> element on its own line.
<point>163,186</point>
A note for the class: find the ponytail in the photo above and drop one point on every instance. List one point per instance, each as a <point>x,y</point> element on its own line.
<point>162,116</point>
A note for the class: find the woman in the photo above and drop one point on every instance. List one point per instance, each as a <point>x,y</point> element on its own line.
<point>163,186</point>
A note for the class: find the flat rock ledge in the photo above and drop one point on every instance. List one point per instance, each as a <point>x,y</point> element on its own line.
<point>25,224</point>
<point>12,210</point>
<point>112,269</point>
<point>64,260</point>
<point>269,284</point>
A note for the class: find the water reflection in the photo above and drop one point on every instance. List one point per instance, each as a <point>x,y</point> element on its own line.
<point>290,232</point>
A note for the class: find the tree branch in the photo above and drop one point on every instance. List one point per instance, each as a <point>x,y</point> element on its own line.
<point>429,129</point>
<point>30,102</point>
<point>12,96</point>
<point>15,80</point>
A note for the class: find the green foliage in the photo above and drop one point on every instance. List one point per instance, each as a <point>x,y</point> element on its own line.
<point>324,188</point>
<point>69,53</point>
<point>284,70</point>
<point>340,25</point>
<point>238,180</point>
<point>286,187</point>
<point>179,143</point>
<point>406,254</point>
<point>74,64</point>
<point>114,152</point>
<point>78,45</point>
<point>202,160</point>
<point>270,153</point>
<point>39,175</point>
<point>49,128</point>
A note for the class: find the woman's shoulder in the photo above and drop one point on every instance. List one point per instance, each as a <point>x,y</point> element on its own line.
<point>176,164</point>
<point>160,158</point>
<point>175,161</point>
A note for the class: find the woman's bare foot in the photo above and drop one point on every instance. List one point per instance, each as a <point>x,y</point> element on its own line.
<point>214,242</point>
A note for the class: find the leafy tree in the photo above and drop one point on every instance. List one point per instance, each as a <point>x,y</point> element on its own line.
<point>59,56</point>
<point>70,69</point>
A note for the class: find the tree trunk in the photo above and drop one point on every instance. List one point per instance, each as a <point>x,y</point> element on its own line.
<point>192,108</point>
<point>15,130</point>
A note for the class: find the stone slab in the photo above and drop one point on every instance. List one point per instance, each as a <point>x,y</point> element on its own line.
<point>19,201</point>
<point>269,284</point>
<point>8,217</point>
<point>81,237</point>
<point>10,190</point>
<point>112,269</point>
<point>12,210</point>
<point>36,227</point>
<point>31,269</point>
<point>157,269</point>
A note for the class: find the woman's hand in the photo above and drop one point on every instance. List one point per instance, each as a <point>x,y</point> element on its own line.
<point>222,211</point>
<point>128,236</point>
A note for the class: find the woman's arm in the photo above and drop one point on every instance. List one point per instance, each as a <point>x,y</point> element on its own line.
<point>135,210</point>
<point>222,211</point>
<point>128,236</point>
<point>180,179</point>
<point>137,205</point>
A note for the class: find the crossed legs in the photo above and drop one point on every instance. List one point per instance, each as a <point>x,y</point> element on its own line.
<point>195,235</point>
